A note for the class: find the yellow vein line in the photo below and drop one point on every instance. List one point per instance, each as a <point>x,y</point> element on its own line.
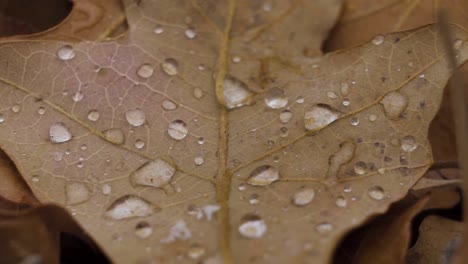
<point>90,128</point>
<point>281,147</point>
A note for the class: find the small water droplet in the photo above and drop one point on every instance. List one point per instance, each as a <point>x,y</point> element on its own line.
<point>106,189</point>
<point>284,131</point>
<point>303,197</point>
<point>276,98</point>
<point>78,96</point>
<point>408,143</point>
<point>41,110</point>
<point>179,231</point>
<point>168,105</point>
<point>411,64</point>
<point>354,121</point>
<point>376,193</point>
<point>115,135</point>
<point>324,228</point>
<point>341,202</point>
<point>145,70</point>
<point>372,118</point>
<point>80,164</point>
<point>177,130</point>
<point>190,33</point>
<point>285,116</point>
<point>345,102</point>
<point>130,206</point>
<point>139,144</point>
<point>143,230</point>
<point>35,178</point>
<point>16,108</point>
<point>332,95</point>
<point>94,115</point>
<point>2,118</point>
<point>66,52</point>
<point>201,141</point>
<point>360,168</point>
<point>253,199</point>
<point>263,175</point>
<point>236,59</point>
<point>394,104</point>
<point>59,133</point>
<point>170,66</point>
<point>300,100</point>
<point>135,117</point>
<point>377,40</point>
<point>157,173</point>
<point>199,161</point>
<point>76,193</point>
<point>236,93</point>
<point>319,116</point>
<point>198,93</point>
<point>252,227</point>
<point>158,29</point>
<point>196,251</point>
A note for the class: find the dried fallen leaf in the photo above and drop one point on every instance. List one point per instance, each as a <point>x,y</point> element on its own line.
<point>188,138</point>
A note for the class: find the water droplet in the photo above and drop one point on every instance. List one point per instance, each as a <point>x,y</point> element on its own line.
<point>300,100</point>
<point>376,193</point>
<point>158,29</point>
<point>284,131</point>
<point>35,178</point>
<point>198,161</point>
<point>377,40</point>
<point>209,210</point>
<point>285,116</point>
<point>276,98</point>
<point>2,118</point>
<point>236,59</point>
<point>130,206</point>
<point>196,251</point>
<point>59,133</point>
<point>76,193</point>
<point>143,230</point>
<point>242,187</point>
<point>332,95</point>
<point>360,168</point>
<point>190,33</point>
<point>253,199</point>
<point>94,115</point>
<point>303,197</point>
<point>41,110</point>
<point>394,103</point>
<point>16,108</point>
<point>324,227</point>
<point>135,117</point>
<point>408,143</point>
<point>263,175</point>
<point>354,121</point>
<point>372,118</point>
<point>139,144</point>
<point>198,93</point>
<point>157,173</point>
<point>106,189</point>
<point>252,227</point>
<point>168,105</point>
<point>341,202</point>
<point>80,164</point>
<point>178,231</point>
<point>201,141</point>
<point>342,156</point>
<point>78,96</point>
<point>145,70</point>
<point>177,130</point>
<point>66,52</point>
<point>236,93</point>
<point>346,102</point>
<point>319,116</point>
<point>170,66</point>
<point>115,135</point>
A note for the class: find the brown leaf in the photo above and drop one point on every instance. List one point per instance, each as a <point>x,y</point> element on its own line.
<point>184,139</point>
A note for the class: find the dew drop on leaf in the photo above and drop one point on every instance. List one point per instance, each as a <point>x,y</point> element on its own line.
<point>168,105</point>
<point>354,121</point>
<point>93,115</point>
<point>130,206</point>
<point>376,193</point>
<point>324,227</point>
<point>135,117</point>
<point>170,66</point>
<point>2,118</point>
<point>284,131</point>
<point>253,199</point>
<point>66,52</point>
<point>35,178</point>
<point>360,168</point>
<point>319,116</point>
<point>59,133</point>
<point>285,116</point>
<point>177,129</point>
<point>394,104</point>
<point>143,230</point>
<point>210,210</point>
<point>78,96</point>
<point>303,197</point>
<point>106,189</point>
<point>156,173</point>
<point>146,70</point>
<point>41,110</point>
<point>139,144</point>
<point>76,193</point>
<point>300,100</point>
<point>242,187</point>
<point>345,102</point>
<point>276,99</point>
<point>236,93</point>
<point>344,154</point>
<point>408,143</point>
<point>190,33</point>
<point>341,201</point>
<point>263,175</point>
<point>198,161</point>
<point>377,40</point>
<point>332,95</point>
<point>16,108</point>
<point>115,135</point>
<point>179,231</point>
<point>196,251</point>
<point>158,29</point>
<point>236,59</point>
<point>252,227</point>
<point>198,93</point>
<point>372,118</point>
<point>201,141</point>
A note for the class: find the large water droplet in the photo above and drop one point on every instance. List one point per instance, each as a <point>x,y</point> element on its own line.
<point>145,70</point>
<point>157,173</point>
<point>360,168</point>
<point>376,193</point>
<point>276,98</point>
<point>130,206</point>
<point>303,197</point>
<point>252,227</point>
<point>394,103</point>
<point>236,93</point>
<point>377,40</point>
<point>170,66</point>
<point>196,251</point>
<point>143,230</point>
<point>263,175</point>
<point>94,115</point>
<point>168,105</point>
<point>408,143</point>
<point>115,135</point>
<point>319,116</point>
<point>59,133</point>
<point>66,52</point>
<point>178,129</point>
<point>135,117</point>
<point>76,193</point>
<point>285,116</point>
<point>179,231</point>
